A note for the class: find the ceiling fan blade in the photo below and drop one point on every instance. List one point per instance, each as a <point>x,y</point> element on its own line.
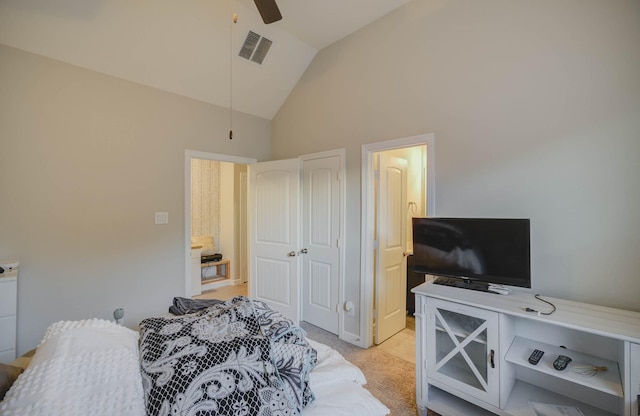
<point>268,10</point>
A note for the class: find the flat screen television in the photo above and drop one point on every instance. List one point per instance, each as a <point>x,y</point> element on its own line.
<point>477,251</point>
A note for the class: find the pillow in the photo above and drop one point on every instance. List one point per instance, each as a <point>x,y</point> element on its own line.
<point>80,368</point>
<point>206,241</point>
<point>8,374</point>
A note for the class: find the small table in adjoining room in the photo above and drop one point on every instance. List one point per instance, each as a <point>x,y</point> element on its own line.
<point>223,274</point>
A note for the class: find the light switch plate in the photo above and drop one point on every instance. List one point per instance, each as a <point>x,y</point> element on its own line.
<point>162,218</point>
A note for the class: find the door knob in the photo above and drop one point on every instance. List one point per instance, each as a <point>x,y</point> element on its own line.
<point>304,251</point>
<point>292,254</point>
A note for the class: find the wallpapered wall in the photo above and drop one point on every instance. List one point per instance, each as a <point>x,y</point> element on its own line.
<point>205,207</point>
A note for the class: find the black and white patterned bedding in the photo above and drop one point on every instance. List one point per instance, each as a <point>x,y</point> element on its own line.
<point>235,358</point>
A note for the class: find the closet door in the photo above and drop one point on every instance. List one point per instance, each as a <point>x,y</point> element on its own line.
<point>274,223</point>
<point>321,241</point>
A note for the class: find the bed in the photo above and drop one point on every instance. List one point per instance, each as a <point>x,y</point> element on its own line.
<point>236,358</point>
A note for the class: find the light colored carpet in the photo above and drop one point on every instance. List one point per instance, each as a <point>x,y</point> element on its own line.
<point>389,378</point>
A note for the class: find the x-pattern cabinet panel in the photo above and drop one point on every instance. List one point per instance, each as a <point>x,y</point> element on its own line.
<point>462,345</point>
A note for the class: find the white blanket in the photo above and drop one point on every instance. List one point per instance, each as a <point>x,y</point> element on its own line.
<point>337,385</point>
<point>81,368</point>
<point>92,368</point>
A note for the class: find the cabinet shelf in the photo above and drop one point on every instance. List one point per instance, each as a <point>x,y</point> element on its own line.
<point>462,335</point>
<point>461,325</point>
<point>445,403</point>
<point>213,279</point>
<point>523,393</point>
<point>605,381</point>
<point>520,398</point>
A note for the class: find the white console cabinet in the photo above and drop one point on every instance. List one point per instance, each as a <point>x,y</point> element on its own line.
<point>8,313</point>
<point>472,351</point>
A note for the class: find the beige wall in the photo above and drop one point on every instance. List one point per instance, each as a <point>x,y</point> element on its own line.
<point>535,107</point>
<point>85,161</point>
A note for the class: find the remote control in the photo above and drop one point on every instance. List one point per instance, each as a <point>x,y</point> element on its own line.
<point>561,362</point>
<point>535,356</point>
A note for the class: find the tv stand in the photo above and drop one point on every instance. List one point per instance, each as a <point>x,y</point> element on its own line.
<point>462,283</point>
<point>472,351</point>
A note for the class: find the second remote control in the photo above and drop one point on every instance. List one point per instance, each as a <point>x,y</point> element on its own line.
<point>561,362</point>
<point>535,356</point>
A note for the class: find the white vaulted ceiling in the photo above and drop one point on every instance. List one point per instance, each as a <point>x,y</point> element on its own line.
<point>185,46</point>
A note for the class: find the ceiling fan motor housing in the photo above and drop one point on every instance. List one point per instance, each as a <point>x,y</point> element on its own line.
<point>268,10</point>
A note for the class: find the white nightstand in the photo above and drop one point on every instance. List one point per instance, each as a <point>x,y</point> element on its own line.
<point>8,314</point>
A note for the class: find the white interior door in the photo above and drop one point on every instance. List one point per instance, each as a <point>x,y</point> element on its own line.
<point>391,281</point>
<point>274,242</point>
<point>320,242</point>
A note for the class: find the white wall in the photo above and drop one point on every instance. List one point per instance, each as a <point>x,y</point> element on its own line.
<point>85,161</point>
<point>535,107</point>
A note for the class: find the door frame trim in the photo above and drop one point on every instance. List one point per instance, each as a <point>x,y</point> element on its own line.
<point>188,156</point>
<point>368,219</point>
<point>341,153</point>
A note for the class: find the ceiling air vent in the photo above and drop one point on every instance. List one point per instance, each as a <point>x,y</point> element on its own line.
<point>255,48</point>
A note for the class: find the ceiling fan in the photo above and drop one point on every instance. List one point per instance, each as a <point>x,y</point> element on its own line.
<point>268,10</point>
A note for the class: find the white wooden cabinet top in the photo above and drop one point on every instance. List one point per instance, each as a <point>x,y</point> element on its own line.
<point>9,276</point>
<point>611,322</point>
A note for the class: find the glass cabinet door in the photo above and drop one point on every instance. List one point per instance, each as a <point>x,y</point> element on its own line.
<point>462,349</point>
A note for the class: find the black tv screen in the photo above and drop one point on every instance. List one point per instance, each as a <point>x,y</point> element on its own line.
<point>492,250</point>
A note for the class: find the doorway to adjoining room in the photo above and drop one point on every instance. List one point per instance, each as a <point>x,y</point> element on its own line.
<point>397,186</point>
<point>216,222</point>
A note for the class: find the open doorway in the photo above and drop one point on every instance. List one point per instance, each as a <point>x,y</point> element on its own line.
<point>398,183</point>
<point>400,190</point>
<point>215,220</point>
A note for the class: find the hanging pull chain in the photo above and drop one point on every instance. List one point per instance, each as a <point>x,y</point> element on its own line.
<point>234,20</point>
